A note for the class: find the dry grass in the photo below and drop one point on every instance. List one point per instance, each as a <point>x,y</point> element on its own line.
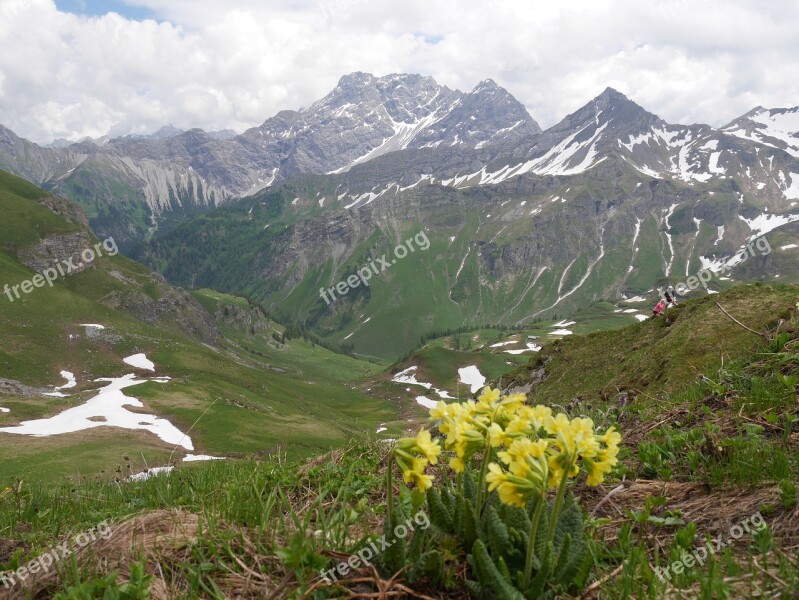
<point>713,511</point>
<point>161,537</point>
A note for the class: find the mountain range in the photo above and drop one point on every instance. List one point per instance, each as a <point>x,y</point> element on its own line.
<point>523,223</point>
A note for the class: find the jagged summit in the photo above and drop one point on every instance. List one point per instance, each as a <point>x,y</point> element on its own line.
<point>366,116</point>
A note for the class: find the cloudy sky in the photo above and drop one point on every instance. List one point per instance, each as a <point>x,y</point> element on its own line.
<point>73,68</point>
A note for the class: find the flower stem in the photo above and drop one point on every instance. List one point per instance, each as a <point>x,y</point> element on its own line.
<point>481,483</point>
<point>528,565</point>
<point>553,523</point>
<point>390,488</point>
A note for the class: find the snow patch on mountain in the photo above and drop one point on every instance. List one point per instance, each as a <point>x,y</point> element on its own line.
<point>767,222</point>
<point>790,185</point>
<point>403,136</point>
<point>778,128</point>
<point>668,237</point>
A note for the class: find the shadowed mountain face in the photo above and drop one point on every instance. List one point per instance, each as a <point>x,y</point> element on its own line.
<point>523,224</point>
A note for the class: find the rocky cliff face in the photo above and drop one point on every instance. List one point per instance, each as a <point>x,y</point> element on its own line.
<point>362,118</point>
<point>155,302</point>
<point>147,296</point>
<point>57,250</point>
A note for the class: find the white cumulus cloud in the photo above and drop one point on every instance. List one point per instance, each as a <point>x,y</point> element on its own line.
<point>218,65</point>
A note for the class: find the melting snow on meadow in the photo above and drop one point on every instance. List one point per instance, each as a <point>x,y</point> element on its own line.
<point>641,317</point>
<point>530,348</point>
<point>471,376</point>
<point>201,457</point>
<point>140,361</point>
<point>404,377</point>
<point>71,381</point>
<point>500,344</point>
<point>145,475</point>
<point>4,410</point>
<point>788,247</point>
<point>561,332</point>
<point>564,323</point>
<point>426,402</point>
<point>106,409</point>
<point>92,325</point>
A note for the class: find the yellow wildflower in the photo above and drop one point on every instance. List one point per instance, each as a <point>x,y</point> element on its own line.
<point>440,411</point>
<point>526,478</point>
<point>495,477</point>
<point>457,465</point>
<point>522,448</point>
<point>496,435</point>
<point>556,425</point>
<point>425,444</point>
<point>488,398</point>
<point>413,455</point>
<point>540,415</point>
<point>509,494</point>
<point>582,439</point>
<point>511,403</point>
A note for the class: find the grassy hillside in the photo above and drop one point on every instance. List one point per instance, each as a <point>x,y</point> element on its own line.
<point>655,356</point>
<point>236,397</point>
<point>707,448</point>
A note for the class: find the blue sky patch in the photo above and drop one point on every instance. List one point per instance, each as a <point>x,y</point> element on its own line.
<point>101,7</point>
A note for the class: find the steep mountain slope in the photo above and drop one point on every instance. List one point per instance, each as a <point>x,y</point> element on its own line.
<point>128,184</point>
<point>68,351</point>
<point>568,217</point>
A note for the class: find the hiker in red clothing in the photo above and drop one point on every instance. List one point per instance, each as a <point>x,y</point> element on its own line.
<point>659,308</point>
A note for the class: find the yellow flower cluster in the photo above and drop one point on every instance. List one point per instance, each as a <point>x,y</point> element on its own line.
<point>495,420</point>
<point>414,454</point>
<point>547,460</point>
<point>537,450</point>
